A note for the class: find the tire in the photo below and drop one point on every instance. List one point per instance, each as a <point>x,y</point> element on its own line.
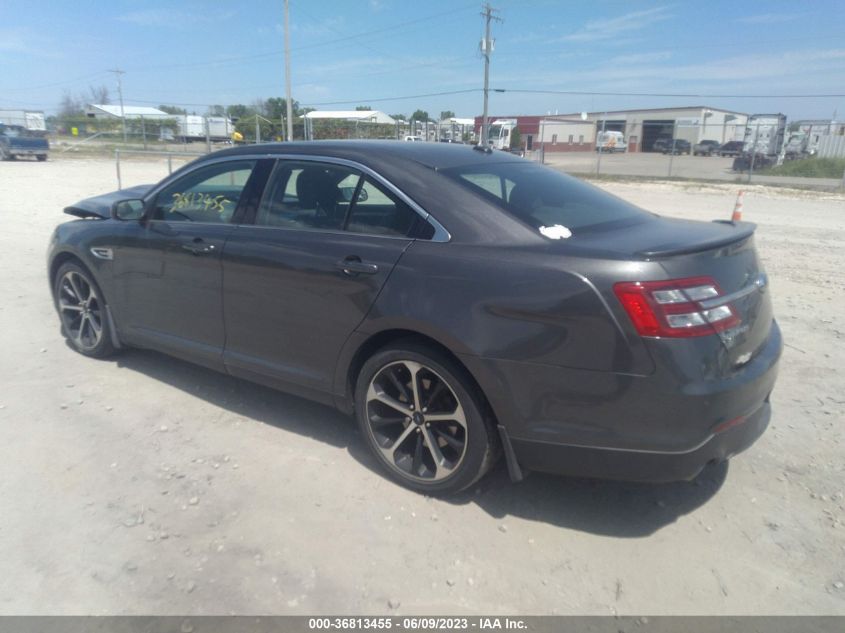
<point>41,157</point>
<point>82,311</point>
<point>401,434</point>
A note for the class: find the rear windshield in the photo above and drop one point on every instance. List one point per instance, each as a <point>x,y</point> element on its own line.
<point>542,197</point>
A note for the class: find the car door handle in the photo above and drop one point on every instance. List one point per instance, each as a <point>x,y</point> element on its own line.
<point>199,247</point>
<point>353,265</point>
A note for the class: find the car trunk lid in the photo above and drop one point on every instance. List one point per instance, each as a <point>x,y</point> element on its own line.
<point>689,252</point>
<point>735,266</point>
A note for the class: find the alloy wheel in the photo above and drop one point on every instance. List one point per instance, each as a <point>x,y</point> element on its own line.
<point>81,310</point>
<point>417,421</point>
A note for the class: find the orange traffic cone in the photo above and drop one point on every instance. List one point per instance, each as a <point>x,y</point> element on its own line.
<point>737,214</point>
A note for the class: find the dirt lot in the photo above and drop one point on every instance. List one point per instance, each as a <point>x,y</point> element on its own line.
<point>147,485</point>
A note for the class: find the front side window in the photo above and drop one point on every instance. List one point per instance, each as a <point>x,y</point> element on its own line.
<point>208,194</point>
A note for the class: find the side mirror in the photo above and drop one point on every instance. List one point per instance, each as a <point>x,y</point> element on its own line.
<point>128,210</point>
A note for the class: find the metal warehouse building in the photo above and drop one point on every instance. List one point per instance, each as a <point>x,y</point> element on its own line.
<point>641,128</point>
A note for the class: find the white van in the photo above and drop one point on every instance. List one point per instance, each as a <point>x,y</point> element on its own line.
<point>610,141</point>
<point>413,139</point>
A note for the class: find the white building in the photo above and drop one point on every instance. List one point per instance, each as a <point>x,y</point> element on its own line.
<point>101,111</point>
<point>641,128</point>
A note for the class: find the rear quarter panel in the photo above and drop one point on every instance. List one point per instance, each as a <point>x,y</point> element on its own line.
<point>503,304</point>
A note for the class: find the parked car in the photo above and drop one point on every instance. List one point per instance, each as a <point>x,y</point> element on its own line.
<point>732,148</point>
<point>661,144</point>
<point>746,162</point>
<point>677,146</point>
<point>16,141</point>
<point>462,303</point>
<point>412,138</point>
<point>705,148</point>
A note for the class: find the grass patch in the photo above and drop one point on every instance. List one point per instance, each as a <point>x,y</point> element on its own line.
<point>809,168</point>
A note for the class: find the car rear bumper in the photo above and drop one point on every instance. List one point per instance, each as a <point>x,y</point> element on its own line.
<point>642,466</point>
<point>661,427</point>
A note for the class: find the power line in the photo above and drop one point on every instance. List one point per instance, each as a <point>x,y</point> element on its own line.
<point>380,99</point>
<point>528,91</point>
<point>667,94</point>
<point>275,53</point>
<point>58,83</point>
<point>327,103</point>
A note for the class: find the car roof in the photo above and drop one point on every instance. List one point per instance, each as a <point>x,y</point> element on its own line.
<point>411,168</point>
<point>432,155</point>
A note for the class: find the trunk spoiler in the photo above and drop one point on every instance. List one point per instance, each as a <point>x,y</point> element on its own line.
<point>741,232</point>
<point>99,207</point>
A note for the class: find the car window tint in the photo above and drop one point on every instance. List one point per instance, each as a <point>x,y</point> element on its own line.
<point>541,196</point>
<point>307,196</point>
<point>379,212</point>
<point>208,194</point>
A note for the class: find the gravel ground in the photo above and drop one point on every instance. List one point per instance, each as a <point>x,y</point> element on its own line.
<point>147,485</point>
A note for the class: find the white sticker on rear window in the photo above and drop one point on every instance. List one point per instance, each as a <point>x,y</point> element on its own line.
<point>556,232</point>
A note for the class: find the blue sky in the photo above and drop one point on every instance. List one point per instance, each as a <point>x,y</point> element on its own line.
<point>360,51</point>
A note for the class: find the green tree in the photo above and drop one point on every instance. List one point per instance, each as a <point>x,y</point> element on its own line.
<point>172,109</point>
<point>275,108</point>
<point>216,110</point>
<point>239,111</point>
<point>447,114</point>
<point>420,115</point>
<point>362,108</point>
<point>70,106</point>
<point>398,117</point>
<point>99,95</point>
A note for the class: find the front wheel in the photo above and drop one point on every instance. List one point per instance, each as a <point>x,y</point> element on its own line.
<point>82,311</point>
<point>423,420</point>
<point>41,157</point>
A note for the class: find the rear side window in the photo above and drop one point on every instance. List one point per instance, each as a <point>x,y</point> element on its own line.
<point>308,196</point>
<point>378,212</point>
<point>323,196</point>
<point>542,197</point>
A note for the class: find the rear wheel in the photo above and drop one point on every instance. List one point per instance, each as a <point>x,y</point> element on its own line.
<point>82,311</point>
<point>41,157</point>
<point>423,420</point>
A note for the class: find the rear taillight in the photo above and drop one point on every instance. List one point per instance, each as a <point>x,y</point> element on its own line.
<point>674,308</point>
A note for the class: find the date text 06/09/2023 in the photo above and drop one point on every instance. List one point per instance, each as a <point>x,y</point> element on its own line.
<point>416,623</point>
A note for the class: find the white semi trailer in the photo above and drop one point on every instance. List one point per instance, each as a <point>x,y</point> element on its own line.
<point>764,134</point>
<point>191,127</point>
<point>27,119</point>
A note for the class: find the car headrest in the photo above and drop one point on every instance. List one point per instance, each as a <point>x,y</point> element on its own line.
<point>316,186</point>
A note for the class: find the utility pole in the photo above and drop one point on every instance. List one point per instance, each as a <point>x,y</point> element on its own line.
<point>118,73</point>
<point>486,50</point>
<point>288,101</point>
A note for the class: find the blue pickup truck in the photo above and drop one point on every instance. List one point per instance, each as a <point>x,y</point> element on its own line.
<point>16,140</point>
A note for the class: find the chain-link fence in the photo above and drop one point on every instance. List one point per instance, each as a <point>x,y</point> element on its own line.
<point>694,144</point>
